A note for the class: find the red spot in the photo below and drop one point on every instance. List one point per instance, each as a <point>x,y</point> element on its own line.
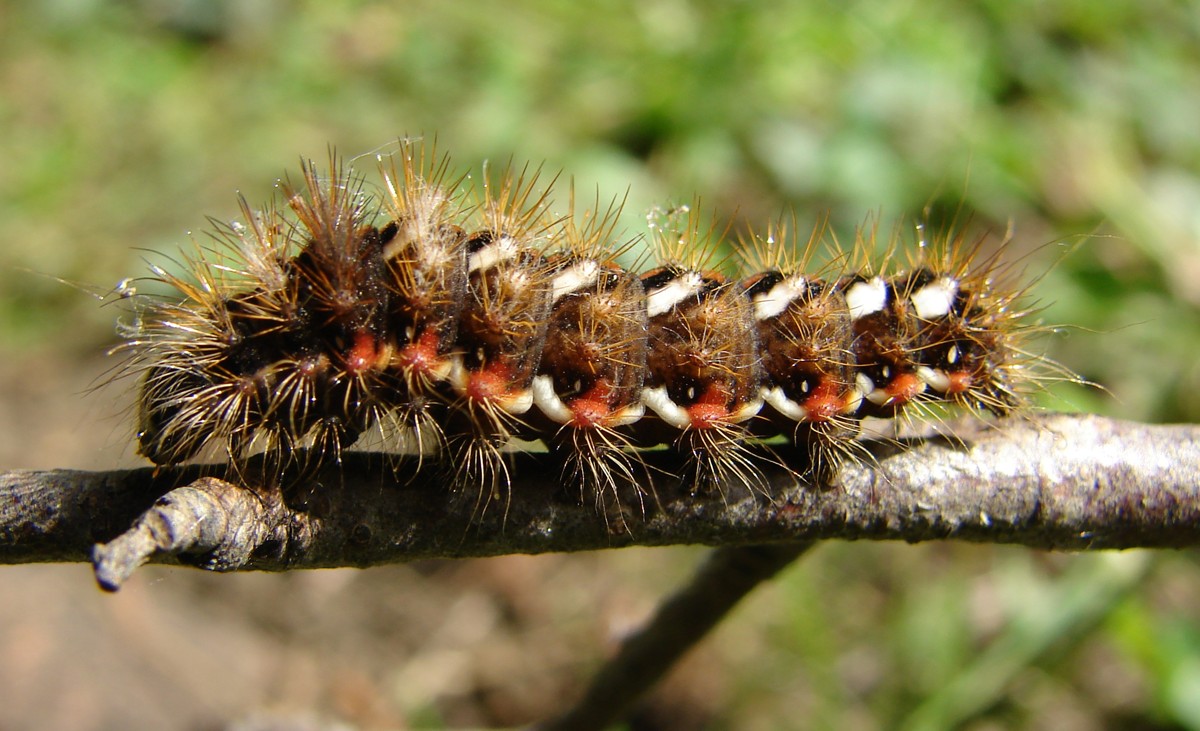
<point>904,388</point>
<point>592,408</point>
<point>960,382</point>
<point>490,383</point>
<point>420,355</point>
<point>363,354</point>
<point>825,402</point>
<point>710,409</point>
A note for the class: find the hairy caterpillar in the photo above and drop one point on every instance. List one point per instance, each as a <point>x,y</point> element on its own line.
<point>449,322</point>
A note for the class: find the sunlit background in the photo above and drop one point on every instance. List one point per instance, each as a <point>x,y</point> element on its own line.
<point>1072,124</point>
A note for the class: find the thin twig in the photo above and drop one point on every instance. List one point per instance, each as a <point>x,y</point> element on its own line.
<point>1055,482</point>
<point>681,621</point>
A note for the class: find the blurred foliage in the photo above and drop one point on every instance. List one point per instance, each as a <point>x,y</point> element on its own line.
<point>122,125</point>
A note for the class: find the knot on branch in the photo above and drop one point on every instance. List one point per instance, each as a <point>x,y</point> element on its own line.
<point>210,523</point>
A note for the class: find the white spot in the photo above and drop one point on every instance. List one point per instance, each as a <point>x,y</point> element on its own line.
<point>879,397</point>
<point>672,293</point>
<point>853,401</point>
<point>458,376</point>
<point>773,303</point>
<point>667,410</point>
<point>393,248</point>
<point>746,411</point>
<point>866,298</point>
<point>548,402</point>
<point>863,384</point>
<point>936,379</point>
<point>866,387</point>
<point>517,403</point>
<point>784,405</point>
<point>952,355</point>
<point>629,415</point>
<point>935,299</point>
<point>575,277</point>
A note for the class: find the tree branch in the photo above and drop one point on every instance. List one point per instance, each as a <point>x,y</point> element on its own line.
<point>1053,481</point>
<point>681,621</point>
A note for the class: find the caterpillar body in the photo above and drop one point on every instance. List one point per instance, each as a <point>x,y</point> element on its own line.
<point>449,323</point>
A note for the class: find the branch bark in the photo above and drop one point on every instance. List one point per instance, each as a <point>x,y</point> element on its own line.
<point>1055,481</point>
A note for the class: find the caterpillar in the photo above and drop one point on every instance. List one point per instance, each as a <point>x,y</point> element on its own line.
<point>448,318</point>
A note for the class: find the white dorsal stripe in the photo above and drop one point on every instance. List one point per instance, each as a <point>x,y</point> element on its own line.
<point>575,277</point>
<point>774,302</point>
<point>672,293</point>
<point>501,249</point>
<point>866,298</point>
<point>935,299</point>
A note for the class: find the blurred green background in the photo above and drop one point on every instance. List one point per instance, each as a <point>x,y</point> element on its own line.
<point>123,125</point>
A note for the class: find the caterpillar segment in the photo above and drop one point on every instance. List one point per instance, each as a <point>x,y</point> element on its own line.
<point>804,340</point>
<point>425,257</point>
<point>589,382</point>
<point>501,331</point>
<point>968,327</point>
<point>805,336</point>
<point>702,383</point>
